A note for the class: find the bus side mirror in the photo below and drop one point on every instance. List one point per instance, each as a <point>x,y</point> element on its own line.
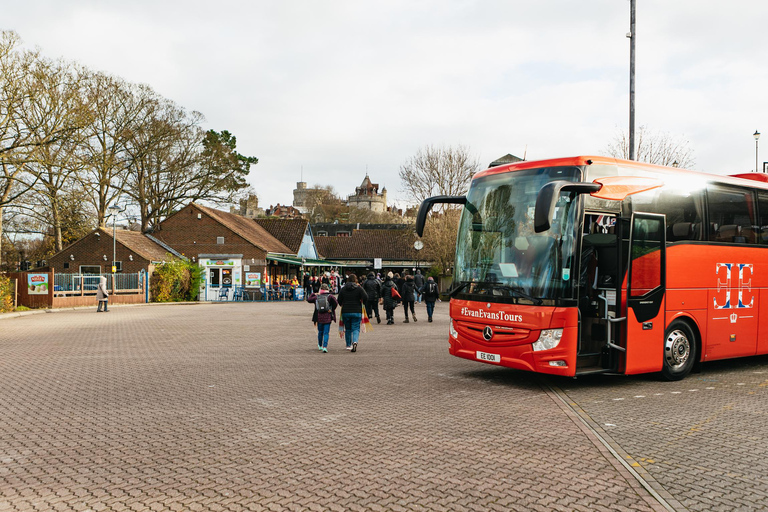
<point>426,205</point>
<point>548,196</point>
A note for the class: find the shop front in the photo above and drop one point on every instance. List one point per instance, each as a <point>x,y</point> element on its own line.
<point>222,276</point>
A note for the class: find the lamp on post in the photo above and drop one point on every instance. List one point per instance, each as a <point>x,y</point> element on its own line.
<point>115,210</point>
<point>756,135</point>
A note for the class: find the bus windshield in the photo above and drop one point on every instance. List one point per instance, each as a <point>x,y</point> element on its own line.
<point>499,257</point>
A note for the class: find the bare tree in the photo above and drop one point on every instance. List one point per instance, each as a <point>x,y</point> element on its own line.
<point>654,147</point>
<point>323,204</point>
<point>440,239</point>
<point>114,113</point>
<point>438,171</point>
<point>35,114</point>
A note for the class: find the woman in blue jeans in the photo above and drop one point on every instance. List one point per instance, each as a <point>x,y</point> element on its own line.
<point>323,319</point>
<point>352,297</point>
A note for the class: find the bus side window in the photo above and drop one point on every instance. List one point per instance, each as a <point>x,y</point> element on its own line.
<point>761,229</point>
<point>732,215</point>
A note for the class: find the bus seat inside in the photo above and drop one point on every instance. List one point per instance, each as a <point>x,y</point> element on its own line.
<point>729,233</point>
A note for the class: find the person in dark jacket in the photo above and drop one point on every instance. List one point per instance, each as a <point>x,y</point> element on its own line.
<point>408,294</point>
<point>373,288</point>
<point>418,281</point>
<point>352,297</point>
<point>430,294</point>
<point>388,301</point>
<point>323,319</point>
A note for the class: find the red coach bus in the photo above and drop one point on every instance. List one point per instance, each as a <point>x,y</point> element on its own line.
<point>595,265</point>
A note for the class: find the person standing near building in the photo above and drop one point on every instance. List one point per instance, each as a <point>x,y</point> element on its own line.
<point>102,294</point>
<point>408,294</point>
<point>388,300</point>
<point>325,313</point>
<point>430,293</point>
<point>352,297</point>
<point>418,281</point>
<point>373,288</point>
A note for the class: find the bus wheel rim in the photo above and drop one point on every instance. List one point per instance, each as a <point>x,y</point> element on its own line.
<point>677,349</point>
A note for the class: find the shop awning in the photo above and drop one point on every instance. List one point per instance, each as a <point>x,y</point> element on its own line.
<point>307,262</point>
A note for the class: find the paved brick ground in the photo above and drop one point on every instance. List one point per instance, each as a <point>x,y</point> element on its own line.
<point>231,407</point>
<point>703,439</point>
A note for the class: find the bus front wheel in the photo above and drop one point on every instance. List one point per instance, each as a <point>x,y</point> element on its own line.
<point>680,350</point>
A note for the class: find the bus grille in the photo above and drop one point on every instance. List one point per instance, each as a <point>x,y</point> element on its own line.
<point>502,335</point>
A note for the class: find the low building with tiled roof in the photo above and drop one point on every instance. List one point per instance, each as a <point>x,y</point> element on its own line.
<point>92,254</point>
<point>236,251</point>
<point>361,250</point>
<point>289,231</point>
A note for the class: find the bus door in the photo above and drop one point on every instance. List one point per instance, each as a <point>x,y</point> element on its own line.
<point>645,292</point>
<point>600,276</point>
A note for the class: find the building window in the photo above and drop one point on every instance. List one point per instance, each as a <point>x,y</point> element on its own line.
<point>90,269</point>
<point>66,264</point>
<point>220,240</point>
<point>118,266</point>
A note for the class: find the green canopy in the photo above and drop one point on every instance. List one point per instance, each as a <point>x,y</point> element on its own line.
<point>307,262</point>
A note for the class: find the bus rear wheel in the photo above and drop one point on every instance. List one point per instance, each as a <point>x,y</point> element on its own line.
<point>680,350</point>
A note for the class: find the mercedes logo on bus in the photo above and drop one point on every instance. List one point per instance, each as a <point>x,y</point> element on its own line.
<point>487,333</point>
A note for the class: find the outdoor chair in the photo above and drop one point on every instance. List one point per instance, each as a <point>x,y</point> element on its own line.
<point>223,293</point>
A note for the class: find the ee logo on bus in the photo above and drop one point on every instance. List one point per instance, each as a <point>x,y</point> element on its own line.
<point>727,271</point>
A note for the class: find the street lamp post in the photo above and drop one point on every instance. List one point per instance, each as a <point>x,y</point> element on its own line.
<point>756,135</point>
<point>115,210</point>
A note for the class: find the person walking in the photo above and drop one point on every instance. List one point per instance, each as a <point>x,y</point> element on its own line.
<point>418,281</point>
<point>352,297</point>
<point>373,288</point>
<point>325,313</point>
<point>430,294</point>
<point>102,294</point>
<point>388,300</point>
<point>408,294</point>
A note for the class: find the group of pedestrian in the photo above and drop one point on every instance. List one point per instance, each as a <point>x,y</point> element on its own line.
<point>369,294</point>
<point>351,298</point>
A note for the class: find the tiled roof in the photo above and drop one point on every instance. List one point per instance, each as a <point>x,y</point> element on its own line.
<point>140,244</point>
<point>289,231</point>
<point>248,229</point>
<point>388,244</point>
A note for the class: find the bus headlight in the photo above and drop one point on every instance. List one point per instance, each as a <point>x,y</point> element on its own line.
<point>451,330</point>
<point>548,339</point>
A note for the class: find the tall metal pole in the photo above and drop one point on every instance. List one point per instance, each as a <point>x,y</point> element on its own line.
<point>632,36</point>
<point>756,135</point>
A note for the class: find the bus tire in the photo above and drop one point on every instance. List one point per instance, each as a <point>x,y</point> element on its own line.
<point>680,351</point>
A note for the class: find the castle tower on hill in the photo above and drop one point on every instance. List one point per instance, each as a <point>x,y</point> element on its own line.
<point>300,196</point>
<point>248,207</point>
<point>367,197</point>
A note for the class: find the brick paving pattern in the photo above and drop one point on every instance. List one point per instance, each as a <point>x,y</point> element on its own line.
<point>232,407</point>
<point>703,438</point>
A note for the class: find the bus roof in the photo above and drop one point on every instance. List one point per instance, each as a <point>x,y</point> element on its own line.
<point>752,180</point>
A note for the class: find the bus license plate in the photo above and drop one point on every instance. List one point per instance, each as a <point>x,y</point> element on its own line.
<point>491,358</point>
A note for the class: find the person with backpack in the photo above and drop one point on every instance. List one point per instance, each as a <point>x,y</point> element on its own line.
<point>325,313</point>
<point>430,293</point>
<point>407,292</point>
<point>352,297</point>
<point>373,288</point>
<point>388,298</point>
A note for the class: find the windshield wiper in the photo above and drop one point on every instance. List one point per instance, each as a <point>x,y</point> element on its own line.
<point>515,290</point>
<point>452,293</point>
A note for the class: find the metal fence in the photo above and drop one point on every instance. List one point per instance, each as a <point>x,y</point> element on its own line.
<point>66,284</point>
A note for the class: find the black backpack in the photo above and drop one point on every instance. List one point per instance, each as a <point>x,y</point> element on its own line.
<point>322,304</point>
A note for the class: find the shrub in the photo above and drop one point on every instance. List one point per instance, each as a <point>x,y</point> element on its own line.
<point>175,281</point>
<point>6,295</point>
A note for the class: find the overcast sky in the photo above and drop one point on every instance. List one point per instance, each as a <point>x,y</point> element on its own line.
<point>338,87</point>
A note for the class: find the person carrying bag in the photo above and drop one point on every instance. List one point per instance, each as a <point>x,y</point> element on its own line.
<point>352,297</point>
